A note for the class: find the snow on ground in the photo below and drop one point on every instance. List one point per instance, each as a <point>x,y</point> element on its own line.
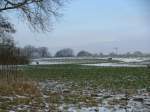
<point>126,62</point>
<point>139,59</point>
<point>115,65</point>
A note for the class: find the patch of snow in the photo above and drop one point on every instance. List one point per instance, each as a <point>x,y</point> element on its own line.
<point>115,65</point>
<point>131,59</point>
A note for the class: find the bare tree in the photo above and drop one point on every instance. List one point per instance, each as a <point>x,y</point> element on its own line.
<point>43,52</point>
<point>38,13</point>
<point>6,28</point>
<point>36,52</point>
<point>9,53</point>
<point>5,25</point>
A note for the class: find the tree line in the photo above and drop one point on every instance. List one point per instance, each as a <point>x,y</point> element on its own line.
<point>43,52</point>
<point>11,54</point>
<point>70,53</point>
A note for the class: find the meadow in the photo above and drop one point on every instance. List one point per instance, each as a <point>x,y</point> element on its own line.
<point>76,88</point>
<point>104,77</point>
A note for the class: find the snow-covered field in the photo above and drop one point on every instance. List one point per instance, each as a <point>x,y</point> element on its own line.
<point>115,65</point>
<point>132,59</point>
<point>95,61</point>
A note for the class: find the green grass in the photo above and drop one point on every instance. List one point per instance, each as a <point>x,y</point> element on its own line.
<point>85,78</point>
<point>103,77</point>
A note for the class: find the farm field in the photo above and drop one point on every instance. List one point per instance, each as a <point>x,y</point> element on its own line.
<point>79,88</point>
<point>107,77</point>
<point>107,61</point>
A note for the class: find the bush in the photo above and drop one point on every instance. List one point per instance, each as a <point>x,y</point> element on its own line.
<point>65,53</point>
<point>84,54</point>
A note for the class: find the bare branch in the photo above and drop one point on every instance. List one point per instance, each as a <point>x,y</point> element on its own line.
<point>38,13</point>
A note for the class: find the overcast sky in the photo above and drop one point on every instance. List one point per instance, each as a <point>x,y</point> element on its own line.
<point>96,26</point>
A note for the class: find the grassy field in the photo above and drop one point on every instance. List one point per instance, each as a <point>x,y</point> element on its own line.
<point>52,86</point>
<point>102,77</point>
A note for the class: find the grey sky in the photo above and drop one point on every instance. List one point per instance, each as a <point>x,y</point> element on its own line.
<point>96,26</point>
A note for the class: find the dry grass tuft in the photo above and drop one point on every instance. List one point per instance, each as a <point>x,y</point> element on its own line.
<point>27,88</point>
